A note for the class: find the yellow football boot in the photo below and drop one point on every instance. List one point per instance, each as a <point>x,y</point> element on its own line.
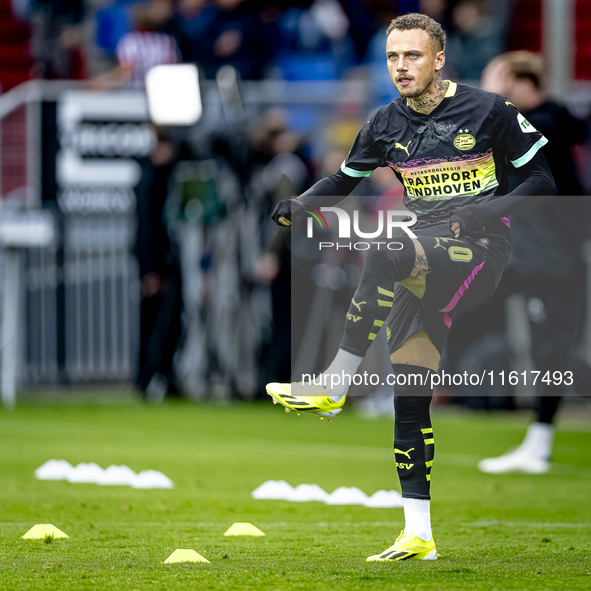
<point>407,549</point>
<point>310,398</point>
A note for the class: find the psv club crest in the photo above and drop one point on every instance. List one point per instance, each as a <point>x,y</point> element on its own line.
<point>464,141</point>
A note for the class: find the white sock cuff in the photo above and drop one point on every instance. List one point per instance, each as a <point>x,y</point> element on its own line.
<point>420,506</point>
<point>346,362</point>
<point>541,428</point>
<point>417,518</point>
<point>539,439</point>
<point>538,432</point>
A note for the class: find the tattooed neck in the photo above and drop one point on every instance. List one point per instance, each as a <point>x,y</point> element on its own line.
<point>429,101</point>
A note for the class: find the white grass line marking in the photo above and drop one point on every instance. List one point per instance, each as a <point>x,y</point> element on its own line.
<point>221,524</point>
<point>524,524</point>
<point>334,450</point>
<point>336,524</point>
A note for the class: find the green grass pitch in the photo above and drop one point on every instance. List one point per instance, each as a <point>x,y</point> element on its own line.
<point>509,532</point>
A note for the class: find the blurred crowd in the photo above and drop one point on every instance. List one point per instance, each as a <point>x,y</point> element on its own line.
<point>216,273</point>
<point>255,333</point>
<point>292,40</point>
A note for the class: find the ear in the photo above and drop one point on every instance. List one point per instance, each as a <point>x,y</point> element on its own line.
<point>439,60</point>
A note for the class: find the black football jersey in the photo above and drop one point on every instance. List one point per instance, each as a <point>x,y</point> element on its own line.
<point>456,155</point>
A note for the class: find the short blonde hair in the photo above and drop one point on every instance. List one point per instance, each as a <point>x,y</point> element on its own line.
<point>416,20</point>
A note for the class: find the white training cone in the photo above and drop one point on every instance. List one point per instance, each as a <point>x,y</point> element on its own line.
<point>304,493</point>
<point>87,473</point>
<point>347,496</point>
<point>274,490</point>
<point>117,476</point>
<point>384,499</point>
<point>152,479</point>
<point>54,470</point>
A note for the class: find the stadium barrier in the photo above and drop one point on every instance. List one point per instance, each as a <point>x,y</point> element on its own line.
<point>74,151</point>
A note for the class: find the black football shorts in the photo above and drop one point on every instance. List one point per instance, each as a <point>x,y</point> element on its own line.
<point>463,273</point>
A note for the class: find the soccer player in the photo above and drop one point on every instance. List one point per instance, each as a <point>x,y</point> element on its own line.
<point>551,281</point>
<point>450,145</point>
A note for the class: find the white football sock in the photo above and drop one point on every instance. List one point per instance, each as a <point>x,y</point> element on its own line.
<point>539,440</point>
<point>343,368</point>
<point>417,518</point>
